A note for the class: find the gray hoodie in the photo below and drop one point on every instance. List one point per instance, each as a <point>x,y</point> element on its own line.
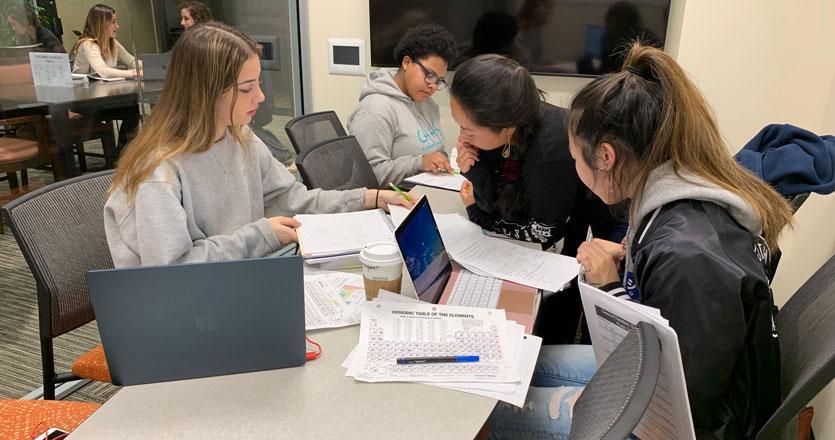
<point>665,186</point>
<point>393,130</point>
<point>212,206</point>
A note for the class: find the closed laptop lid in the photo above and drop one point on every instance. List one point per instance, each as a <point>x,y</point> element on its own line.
<point>154,65</point>
<point>164,323</point>
<point>423,252</point>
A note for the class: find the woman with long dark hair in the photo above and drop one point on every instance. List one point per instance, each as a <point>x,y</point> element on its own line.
<point>513,149</point>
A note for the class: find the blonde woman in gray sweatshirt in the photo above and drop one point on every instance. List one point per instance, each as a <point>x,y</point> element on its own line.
<point>396,122</point>
<point>196,185</point>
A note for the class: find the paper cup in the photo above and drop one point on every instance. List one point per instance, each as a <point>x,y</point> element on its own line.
<point>382,268</point>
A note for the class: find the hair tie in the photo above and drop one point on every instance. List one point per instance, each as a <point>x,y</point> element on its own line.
<point>642,73</point>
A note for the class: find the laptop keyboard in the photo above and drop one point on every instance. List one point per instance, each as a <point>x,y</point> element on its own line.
<point>474,290</point>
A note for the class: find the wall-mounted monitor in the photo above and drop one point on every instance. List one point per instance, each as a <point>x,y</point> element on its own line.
<point>551,37</point>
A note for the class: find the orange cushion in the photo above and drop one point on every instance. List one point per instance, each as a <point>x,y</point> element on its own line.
<point>92,365</point>
<point>17,150</point>
<point>27,419</point>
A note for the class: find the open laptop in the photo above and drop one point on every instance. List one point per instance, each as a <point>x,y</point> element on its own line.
<point>162,323</point>
<point>440,281</point>
<point>154,65</point>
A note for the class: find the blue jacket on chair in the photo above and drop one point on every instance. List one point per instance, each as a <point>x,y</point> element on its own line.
<point>791,159</point>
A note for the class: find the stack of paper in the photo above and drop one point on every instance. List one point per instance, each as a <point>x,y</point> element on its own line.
<point>395,326</point>
<point>451,182</point>
<point>332,299</point>
<point>610,319</point>
<point>323,237</point>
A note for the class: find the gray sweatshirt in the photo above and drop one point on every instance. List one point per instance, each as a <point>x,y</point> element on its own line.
<point>212,206</point>
<point>393,130</point>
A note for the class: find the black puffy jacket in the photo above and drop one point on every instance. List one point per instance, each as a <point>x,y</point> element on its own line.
<point>706,274</point>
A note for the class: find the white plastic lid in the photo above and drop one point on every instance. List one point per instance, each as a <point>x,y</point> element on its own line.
<point>380,253</point>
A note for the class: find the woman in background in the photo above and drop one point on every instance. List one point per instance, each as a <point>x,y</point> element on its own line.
<point>29,31</point>
<point>97,50</point>
<point>196,185</point>
<point>700,227</point>
<point>396,122</point>
<point>192,13</point>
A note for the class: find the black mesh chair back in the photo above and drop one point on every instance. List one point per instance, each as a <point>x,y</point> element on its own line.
<point>337,164</point>
<point>313,128</point>
<point>60,231</point>
<point>807,349</point>
<point>616,398</point>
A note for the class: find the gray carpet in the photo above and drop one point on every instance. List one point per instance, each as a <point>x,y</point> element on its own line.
<point>20,359</point>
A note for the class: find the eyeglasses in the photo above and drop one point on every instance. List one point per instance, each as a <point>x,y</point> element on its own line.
<point>431,77</point>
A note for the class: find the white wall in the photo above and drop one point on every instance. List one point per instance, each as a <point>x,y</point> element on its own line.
<point>757,61</point>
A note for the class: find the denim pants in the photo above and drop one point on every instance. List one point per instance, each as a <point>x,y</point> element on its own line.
<point>560,374</point>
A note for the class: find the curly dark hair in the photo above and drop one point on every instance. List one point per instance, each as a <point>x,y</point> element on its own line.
<point>426,40</point>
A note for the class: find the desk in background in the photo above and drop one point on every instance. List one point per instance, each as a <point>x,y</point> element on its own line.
<point>87,98</point>
<point>313,401</point>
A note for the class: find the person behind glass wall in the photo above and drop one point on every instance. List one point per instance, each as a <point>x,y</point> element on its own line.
<point>513,149</point>
<point>647,134</point>
<point>196,184</point>
<point>192,13</point>
<point>97,50</point>
<point>396,121</point>
<point>25,24</point>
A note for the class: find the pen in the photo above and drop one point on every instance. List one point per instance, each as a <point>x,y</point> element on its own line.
<point>436,360</point>
<point>400,192</point>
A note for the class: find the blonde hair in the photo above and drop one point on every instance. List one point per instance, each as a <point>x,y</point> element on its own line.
<point>651,114</point>
<point>95,30</point>
<point>205,64</point>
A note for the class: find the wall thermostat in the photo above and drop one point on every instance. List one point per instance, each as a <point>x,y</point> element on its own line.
<point>346,56</point>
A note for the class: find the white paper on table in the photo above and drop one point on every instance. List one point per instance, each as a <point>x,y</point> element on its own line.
<point>610,318</point>
<point>529,353</point>
<point>50,69</point>
<point>392,330</point>
<point>332,299</point>
<point>446,181</point>
<point>502,259</point>
<point>322,235</point>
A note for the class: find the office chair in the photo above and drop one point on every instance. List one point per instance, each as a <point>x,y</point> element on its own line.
<point>27,419</point>
<point>60,231</point>
<point>617,396</point>
<point>807,350</point>
<point>336,164</point>
<point>313,128</point>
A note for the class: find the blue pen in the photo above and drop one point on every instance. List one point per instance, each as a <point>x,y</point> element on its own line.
<point>436,360</point>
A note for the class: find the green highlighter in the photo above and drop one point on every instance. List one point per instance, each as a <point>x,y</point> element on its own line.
<point>400,192</point>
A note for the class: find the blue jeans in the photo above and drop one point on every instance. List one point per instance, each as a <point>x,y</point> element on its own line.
<point>560,374</point>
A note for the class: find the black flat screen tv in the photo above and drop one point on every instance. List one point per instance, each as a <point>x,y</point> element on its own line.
<point>551,37</point>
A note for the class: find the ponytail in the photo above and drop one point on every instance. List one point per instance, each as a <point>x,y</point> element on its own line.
<point>651,113</point>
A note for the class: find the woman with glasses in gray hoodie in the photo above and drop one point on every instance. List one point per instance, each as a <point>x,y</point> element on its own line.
<point>396,122</point>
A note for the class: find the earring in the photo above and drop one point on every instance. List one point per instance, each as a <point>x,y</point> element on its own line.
<point>506,149</point>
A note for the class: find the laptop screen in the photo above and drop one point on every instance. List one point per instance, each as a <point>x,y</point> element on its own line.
<point>424,253</point>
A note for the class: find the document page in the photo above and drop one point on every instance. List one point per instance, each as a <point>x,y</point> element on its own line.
<point>322,235</point>
<point>446,181</point>
<point>501,259</point>
<point>332,299</point>
<point>390,330</point>
<point>610,319</point>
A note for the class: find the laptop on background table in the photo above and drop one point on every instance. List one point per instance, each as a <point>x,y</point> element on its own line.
<point>162,323</point>
<point>439,280</point>
<point>154,66</point>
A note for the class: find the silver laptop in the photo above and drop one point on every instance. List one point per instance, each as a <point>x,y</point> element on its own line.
<point>162,323</point>
<point>154,65</point>
<point>440,281</point>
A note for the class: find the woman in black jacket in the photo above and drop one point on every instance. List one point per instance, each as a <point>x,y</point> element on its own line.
<point>513,148</point>
<point>699,232</point>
